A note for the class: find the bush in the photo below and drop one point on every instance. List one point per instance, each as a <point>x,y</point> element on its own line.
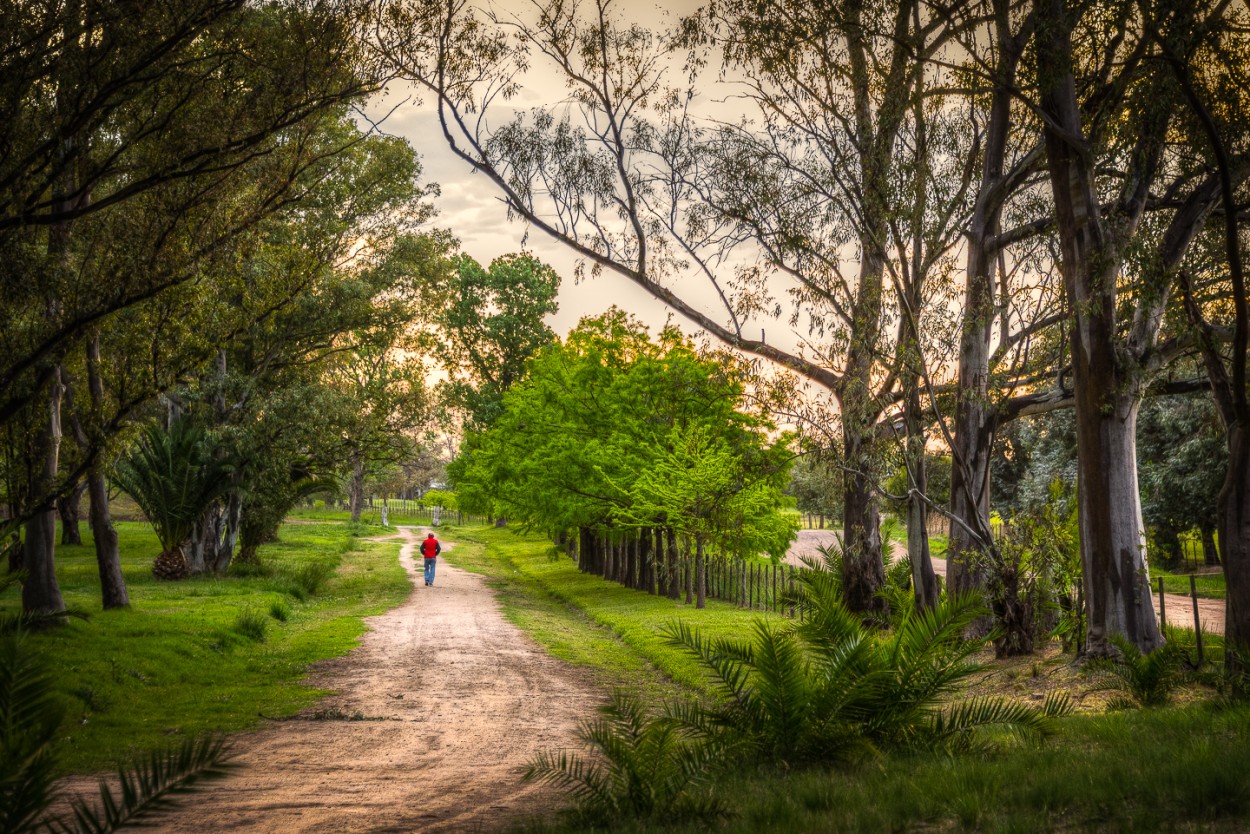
<point>309,579</point>
<point>644,767</point>
<point>828,688</point>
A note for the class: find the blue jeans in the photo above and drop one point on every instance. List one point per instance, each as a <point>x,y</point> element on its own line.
<point>429,571</point>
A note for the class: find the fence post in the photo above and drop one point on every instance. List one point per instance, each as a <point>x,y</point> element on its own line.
<point>1163,611</point>
<point>1193,595</point>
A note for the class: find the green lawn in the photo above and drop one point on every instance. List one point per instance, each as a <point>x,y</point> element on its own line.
<point>1178,769</point>
<point>207,654</point>
<point>587,620</point>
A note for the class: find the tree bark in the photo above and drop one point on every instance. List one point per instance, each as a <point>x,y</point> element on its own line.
<point>700,579</point>
<point>1210,553</point>
<point>863,573</point>
<point>41,593</point>
<point>356,489</point>
<point>1107,392</point>
<point>67,507</point>
<point>1234,530</point>
<point>113,591</point>
<point>975,420</point>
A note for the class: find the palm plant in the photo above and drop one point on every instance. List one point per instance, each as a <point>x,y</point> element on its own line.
<point>1147,679</point>
<point>645,766</point>
<point>829,688</point>
<point>174,477</point>
<point>30,716</point>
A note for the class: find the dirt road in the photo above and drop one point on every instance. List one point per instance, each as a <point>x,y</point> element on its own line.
<point>1180,609</point>
<point>434,716</point>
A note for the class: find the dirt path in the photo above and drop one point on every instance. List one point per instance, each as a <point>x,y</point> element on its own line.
<point>1180,609</point>
<point>456,700</point>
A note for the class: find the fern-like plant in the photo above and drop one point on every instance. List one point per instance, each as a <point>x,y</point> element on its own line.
<point>29,717</point>
<point>173,476</point>
<point>1147,680</point>
<point>642,766</point>
<point>829,688</point>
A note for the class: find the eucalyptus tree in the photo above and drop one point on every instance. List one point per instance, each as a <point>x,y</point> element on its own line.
<point>632,176</point>
<point>1206,50</point>
<point>1119,264</point>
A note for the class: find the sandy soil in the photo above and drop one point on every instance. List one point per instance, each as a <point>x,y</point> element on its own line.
<point>455,701</point>
<point>1180,609</point>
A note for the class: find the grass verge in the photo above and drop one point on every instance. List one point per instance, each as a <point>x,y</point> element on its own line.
<point>207,654</point>
<point>1179,769</point>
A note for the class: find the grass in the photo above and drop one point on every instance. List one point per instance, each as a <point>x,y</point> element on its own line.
<point>588,621</point>
<point>1178,769</point>
<point>1172,770</point>
<point>1210,585</point>
<point>206,654</point>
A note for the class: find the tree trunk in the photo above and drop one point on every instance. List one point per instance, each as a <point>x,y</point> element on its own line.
<point>1210,553</point>
<point>1234,530</point>
<point>356,489</point>
<point>1107,389</point>
<point>700,580</point>
<point>923,577</point>
<point>863,573</point>
<point>41,594</point>
<point>67,507</point>
<point>671,564</point>
<point>113,591</point>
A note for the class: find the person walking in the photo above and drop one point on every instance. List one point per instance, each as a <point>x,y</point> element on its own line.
<point>430,548</point>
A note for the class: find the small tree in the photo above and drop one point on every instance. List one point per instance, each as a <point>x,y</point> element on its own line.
<point>173,476</point>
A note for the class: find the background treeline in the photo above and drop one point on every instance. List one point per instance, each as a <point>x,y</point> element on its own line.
<point>641,456</point>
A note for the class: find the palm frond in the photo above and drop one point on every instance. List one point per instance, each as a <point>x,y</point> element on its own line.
<point>150,788</point>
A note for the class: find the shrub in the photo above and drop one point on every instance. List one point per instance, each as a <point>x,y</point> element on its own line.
<point>312,575</point>
<point>1147,679</point>
<point>829,688</point>
<point>645,767</point>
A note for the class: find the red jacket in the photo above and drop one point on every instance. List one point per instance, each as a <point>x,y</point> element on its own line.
<point>431,548</point>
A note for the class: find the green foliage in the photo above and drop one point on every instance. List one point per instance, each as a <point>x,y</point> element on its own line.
<point>641,767</point>
<point>1147,679</point>
<point>29,717</point>
<point>440,498</point>
<point>613,428</point>
<point>252,624</point>
<point>173,475</point>
<point>1033,575</point>
<point>487,325</point>
<point>829,689</point>
<point>279,610</point>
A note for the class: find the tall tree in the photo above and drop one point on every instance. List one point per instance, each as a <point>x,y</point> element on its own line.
<point>485,324</point>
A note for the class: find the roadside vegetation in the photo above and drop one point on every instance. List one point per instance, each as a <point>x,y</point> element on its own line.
<point>205,655</point>
<point>1110,766</point>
